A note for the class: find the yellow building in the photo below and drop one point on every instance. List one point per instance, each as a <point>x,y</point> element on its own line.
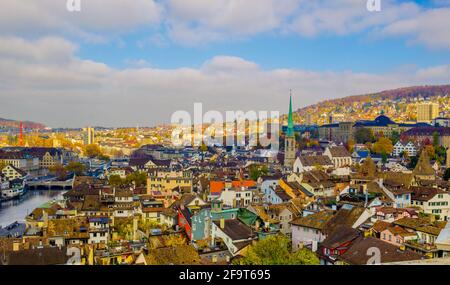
<point>427,111</point>
<point>169,180</point>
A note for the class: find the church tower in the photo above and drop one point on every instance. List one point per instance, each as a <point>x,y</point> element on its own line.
<point>289,141</point>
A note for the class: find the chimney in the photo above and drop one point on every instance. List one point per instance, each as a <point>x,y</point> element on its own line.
<point>222,223</point>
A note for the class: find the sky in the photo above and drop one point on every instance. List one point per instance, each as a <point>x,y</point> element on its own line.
<point>119,63</point>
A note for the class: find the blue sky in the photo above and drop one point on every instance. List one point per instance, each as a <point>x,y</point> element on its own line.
<point>128,62</point>
<point>354,53</point>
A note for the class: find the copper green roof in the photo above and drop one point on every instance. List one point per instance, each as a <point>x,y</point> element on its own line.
<point>290,126</point>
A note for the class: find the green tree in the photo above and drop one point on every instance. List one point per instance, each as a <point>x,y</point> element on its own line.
<point>440,154</point>
<point>76,167</point>
<point>92,151</point>
<point>435,139</point>
<point>384,157</point>
<point>59,171</point>
<point>257,171</point>
<point>276,250</point>
<point>364,135</point>
<point>447,174</point>
<point>395,137</point>
<point>115,180</point>
<point>413,162</point>
<point>139,178</point>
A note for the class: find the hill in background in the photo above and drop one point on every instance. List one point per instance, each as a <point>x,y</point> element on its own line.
<point>12,124</point>
<point>399,104</point>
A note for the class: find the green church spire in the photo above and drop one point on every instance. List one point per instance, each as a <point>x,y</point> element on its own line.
<point>290,126</point>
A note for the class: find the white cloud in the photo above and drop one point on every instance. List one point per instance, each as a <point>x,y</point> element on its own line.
<point>228,64</point>
<point>430,28</point>
<point>94,22</point>
<point>344,17</point>
<point>199,21</point>
<point>68,91</point>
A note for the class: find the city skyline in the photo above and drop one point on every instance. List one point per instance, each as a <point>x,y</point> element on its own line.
<point>96,67</point>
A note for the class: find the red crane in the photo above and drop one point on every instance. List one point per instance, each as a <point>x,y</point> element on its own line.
<point>21,135</point>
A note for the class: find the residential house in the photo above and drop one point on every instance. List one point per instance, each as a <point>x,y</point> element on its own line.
<point>71,231</point>
<point>171,255</point>
<point>151,209</point>
<point>427,230</point>
<point>98,230</point>
<point>361,252</point>
<point>399,148</point>
<point>201,220</point>
<point>12,172</point>
<point>397,235</point>
<point>431,201</point>
<point>308,231</point>
<point>336,244</point>
<point>235,234</point>
<point>237,197</point>
<point>36,256</point>
<point>166,180</point>
<point>391,214</point>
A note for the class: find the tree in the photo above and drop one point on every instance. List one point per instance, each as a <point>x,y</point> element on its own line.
<point>383,145</point>
<point>435,139</point>
<point>395,137</point>
<point>430,150</point>
<point>139,178</point>
<point>76,167</point>
<point>440,154</point>
<point>59,171</point>
<point>203,147</point>
<point>447,174</point>
<point>350,145</point>
<point>276,250</point>
<point>115,180</point>
<point>257,171</point>
<point>364,135</point>
<point>368,167</point>
<point>92,151</point>
<point>384,157</point>
<point>413,162</point>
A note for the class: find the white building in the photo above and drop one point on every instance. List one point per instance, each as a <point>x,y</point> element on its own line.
<point>409,147</point>
<point>98,230</point>
<point>236,198</point>
<point>432,201</point>
<point>308,231</point>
